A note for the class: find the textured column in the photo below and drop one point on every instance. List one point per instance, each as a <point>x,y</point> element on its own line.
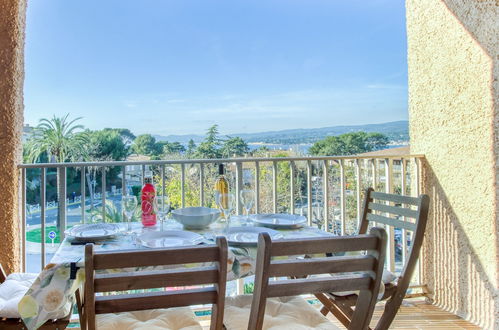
<point>453,74</point>
<point>12,27</point>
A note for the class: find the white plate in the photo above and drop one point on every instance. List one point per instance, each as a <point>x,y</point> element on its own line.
<point>279,221</point>
<point>93,231</point>
<point>248,236</point>
<point>169,238</point>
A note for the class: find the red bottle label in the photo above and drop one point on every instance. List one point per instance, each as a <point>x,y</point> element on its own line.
<point>148,214</point>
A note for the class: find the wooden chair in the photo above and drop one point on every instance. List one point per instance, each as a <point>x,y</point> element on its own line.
<point>11,323</point>
<point>360,272</point>
<point>401,207</point>
<point>154,301</point>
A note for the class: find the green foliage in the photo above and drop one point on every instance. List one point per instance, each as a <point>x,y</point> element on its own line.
<point>107,145</point>
<point>210,147</point>
<point>113,213</point>
<point>126,135</point>
<point>58,139</point>
<point>171,147</point>
<point>234,146</point>
<point>349,144</point>
<point>145,144</point>
<point>191,147</point>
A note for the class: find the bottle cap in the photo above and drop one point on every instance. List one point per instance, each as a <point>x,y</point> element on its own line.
<point>221,169</point>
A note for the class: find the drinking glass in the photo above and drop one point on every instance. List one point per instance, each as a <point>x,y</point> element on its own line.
<point>161,207</point>
<point>226,203</point>
<point>129,204</point>
<point>247,198</point>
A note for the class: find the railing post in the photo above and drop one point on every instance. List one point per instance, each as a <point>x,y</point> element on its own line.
<point>309,192</point>
<point>257,187</point>
<point>390,229</point>
<point>43,204</point>
<point>82,193</point>
<point>201,184</point>
<point>292,186</point>
<point>23,218</point>
<point>239,187</point>
<point>274,186</point>
<point>163,189</point>
<point>103,192</point>
<point>61,172</point>
<point>403,192</point>
<point>124,191</point>
<point>342,198</point>
<point>326,194</point>
<point>182,183</point>
<point>358,173</point>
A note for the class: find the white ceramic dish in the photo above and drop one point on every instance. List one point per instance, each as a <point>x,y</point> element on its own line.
<point>93,231</point>
<point>196,217</point>
<point>279,221</point>
<point>169,238</point>
<point>248,236</point>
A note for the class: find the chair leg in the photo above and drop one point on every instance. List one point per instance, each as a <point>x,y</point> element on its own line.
<point>391,308</point>
<point>330,305</point>
<point>81,312</point>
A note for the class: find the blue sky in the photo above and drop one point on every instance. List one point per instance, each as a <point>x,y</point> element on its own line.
<point>176,67</point>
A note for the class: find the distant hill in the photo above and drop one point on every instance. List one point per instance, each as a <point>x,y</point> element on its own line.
<point>397,131</point>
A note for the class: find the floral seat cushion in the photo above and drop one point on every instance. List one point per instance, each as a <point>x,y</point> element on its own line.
<point>182,318</point>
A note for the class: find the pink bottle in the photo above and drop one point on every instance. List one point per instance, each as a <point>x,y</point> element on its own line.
<point>147,198</point>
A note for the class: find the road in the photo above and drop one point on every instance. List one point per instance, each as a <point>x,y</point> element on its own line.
<point>73,216</point>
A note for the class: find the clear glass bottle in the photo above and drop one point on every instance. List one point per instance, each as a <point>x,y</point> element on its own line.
<point>221,184</point>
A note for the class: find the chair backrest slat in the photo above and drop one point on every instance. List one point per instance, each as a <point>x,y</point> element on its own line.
<point>318,285</point>
<point>401,199</point>
<point>292,267</point>
<point>122,279</point>
<point>405,212</point>
<point>350,272</point>
<point>156,257</point>
<point>321,245</point>
<point>391,222</point>
<point>153,300</point>
<point>155,279</point>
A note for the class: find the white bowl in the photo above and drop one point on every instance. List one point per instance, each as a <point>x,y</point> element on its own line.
<point>196,217</point>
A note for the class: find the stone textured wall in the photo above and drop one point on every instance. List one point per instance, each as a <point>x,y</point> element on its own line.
<point>12,23</point>
<point>453,72</point>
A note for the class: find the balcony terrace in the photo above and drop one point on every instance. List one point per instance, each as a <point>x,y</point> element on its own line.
<point>453,96</point>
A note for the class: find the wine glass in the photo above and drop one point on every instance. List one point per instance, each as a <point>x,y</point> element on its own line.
<point>162,207</point>
<point>226,203</point>
<point>247,198</point>
<point>129,204</point>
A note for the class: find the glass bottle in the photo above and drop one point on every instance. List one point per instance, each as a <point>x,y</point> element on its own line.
<point>221,184</point>
<point>147,198</point>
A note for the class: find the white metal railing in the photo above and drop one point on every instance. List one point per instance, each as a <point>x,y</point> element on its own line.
<point>318,187</point>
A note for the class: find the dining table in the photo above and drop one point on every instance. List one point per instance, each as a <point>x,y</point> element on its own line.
<point>52,295</point>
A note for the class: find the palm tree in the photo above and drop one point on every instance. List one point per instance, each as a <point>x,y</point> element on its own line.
<point>61,140</point>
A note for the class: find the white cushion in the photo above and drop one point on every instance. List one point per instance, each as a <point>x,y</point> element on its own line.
<point>388,277</point>
<point>182,318</point>
<point>12,290</point>
<point>280,313</point>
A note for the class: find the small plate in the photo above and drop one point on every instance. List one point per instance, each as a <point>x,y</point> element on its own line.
<point>279,221</point>
<point>248,236</point>
<point>93,231</point>
<point>169,238</point>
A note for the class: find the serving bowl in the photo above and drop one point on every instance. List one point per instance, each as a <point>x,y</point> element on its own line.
<point>196,217</point>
